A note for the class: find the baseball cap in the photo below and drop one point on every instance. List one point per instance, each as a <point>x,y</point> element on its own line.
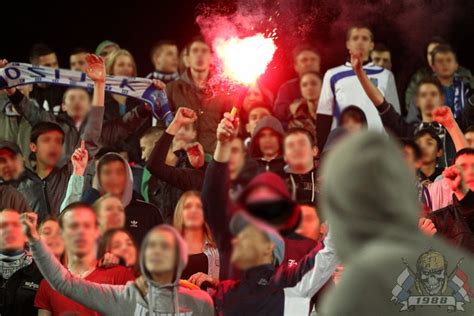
<point>242,219</point>
<point>11,146</point>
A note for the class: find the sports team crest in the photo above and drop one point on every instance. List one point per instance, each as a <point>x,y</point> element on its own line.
<point>431,285</point>
<point>375,81</point>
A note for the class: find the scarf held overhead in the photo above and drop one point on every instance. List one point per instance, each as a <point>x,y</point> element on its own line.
<point>18,74</point>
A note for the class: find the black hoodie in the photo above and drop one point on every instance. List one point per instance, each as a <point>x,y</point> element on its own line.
<point>277,164</point>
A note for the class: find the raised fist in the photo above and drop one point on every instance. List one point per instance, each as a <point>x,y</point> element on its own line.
<point>228,128</point>
<point>195,153</point>
<point>29,221</point>
<point>443,116</point>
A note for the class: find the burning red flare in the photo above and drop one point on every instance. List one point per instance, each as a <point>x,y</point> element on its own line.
<point>244,60</point>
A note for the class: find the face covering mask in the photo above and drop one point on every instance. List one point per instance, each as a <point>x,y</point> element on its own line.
<point>276,212</point>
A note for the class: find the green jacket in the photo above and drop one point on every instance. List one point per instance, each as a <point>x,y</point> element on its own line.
<point>13,127</point>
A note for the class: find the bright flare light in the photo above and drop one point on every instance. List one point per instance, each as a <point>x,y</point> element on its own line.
<point>244,60</point>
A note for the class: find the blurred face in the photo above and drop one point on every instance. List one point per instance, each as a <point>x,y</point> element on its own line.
<point>106,51</point>
<point>11,233</point>
<point>307,61</point>
<point>160,252</point>
<point>122,246</point>
<point>466,163</point>
<point>113,178</point>
<point>413,163</point>
<point>237,158</point>
<point>255,116</point>
<point>123,66</point>
<point>253,95</point>
<point>111,214</point>
<point>50,233</point>
<point>429,50</point>
<point>11,165</point>
<point>49,60</point>
<point>360,40</point>
<point>185,134</point>
<point>445,65</point>
<point>351,124</point>
<point>299,154</point>
<point>78,62</point>
<point>166,59</point>
<point>193,216</point>
<point>429,149</point>
<point>146,145</point>
<point>310,226</point>
<point>310,86</point>
<point>250,248</point>
<point>428,99</point>
<point>77,104</point>
<point>469,137</point>
<point>48,148</point>
<point>199,57</point>
<point>382,59</point>
<point>269,143</point>
<point>80,231</point>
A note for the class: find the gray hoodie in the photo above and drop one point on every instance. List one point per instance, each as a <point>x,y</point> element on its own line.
<point>372,208</point>
<point>127,299</point>
<point>128,192</point>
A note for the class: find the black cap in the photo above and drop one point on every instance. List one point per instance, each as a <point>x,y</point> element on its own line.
<point>11,146</point>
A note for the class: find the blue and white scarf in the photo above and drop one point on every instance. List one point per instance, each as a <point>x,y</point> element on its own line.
<point>17,74</point>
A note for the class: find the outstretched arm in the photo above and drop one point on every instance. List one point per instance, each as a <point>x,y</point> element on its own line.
<point>184,179</point>
<point>389,114</point>
<point>370,89</point>
<point>75,186</point>
<point>215,191</point>
<point>103,298</point>
<point>96,71</point>
<point>312,272</point>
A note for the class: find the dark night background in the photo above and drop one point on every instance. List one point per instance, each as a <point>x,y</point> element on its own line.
<point>403,25</point>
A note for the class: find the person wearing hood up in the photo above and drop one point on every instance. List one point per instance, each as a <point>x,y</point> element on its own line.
<point>390,266</point>
<point>114,176</point>
<point>266,146</point>
<point>163,257</point>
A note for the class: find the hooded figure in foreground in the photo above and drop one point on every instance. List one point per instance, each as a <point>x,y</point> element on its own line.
<point>390,266</point>
<point>164,256</point>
